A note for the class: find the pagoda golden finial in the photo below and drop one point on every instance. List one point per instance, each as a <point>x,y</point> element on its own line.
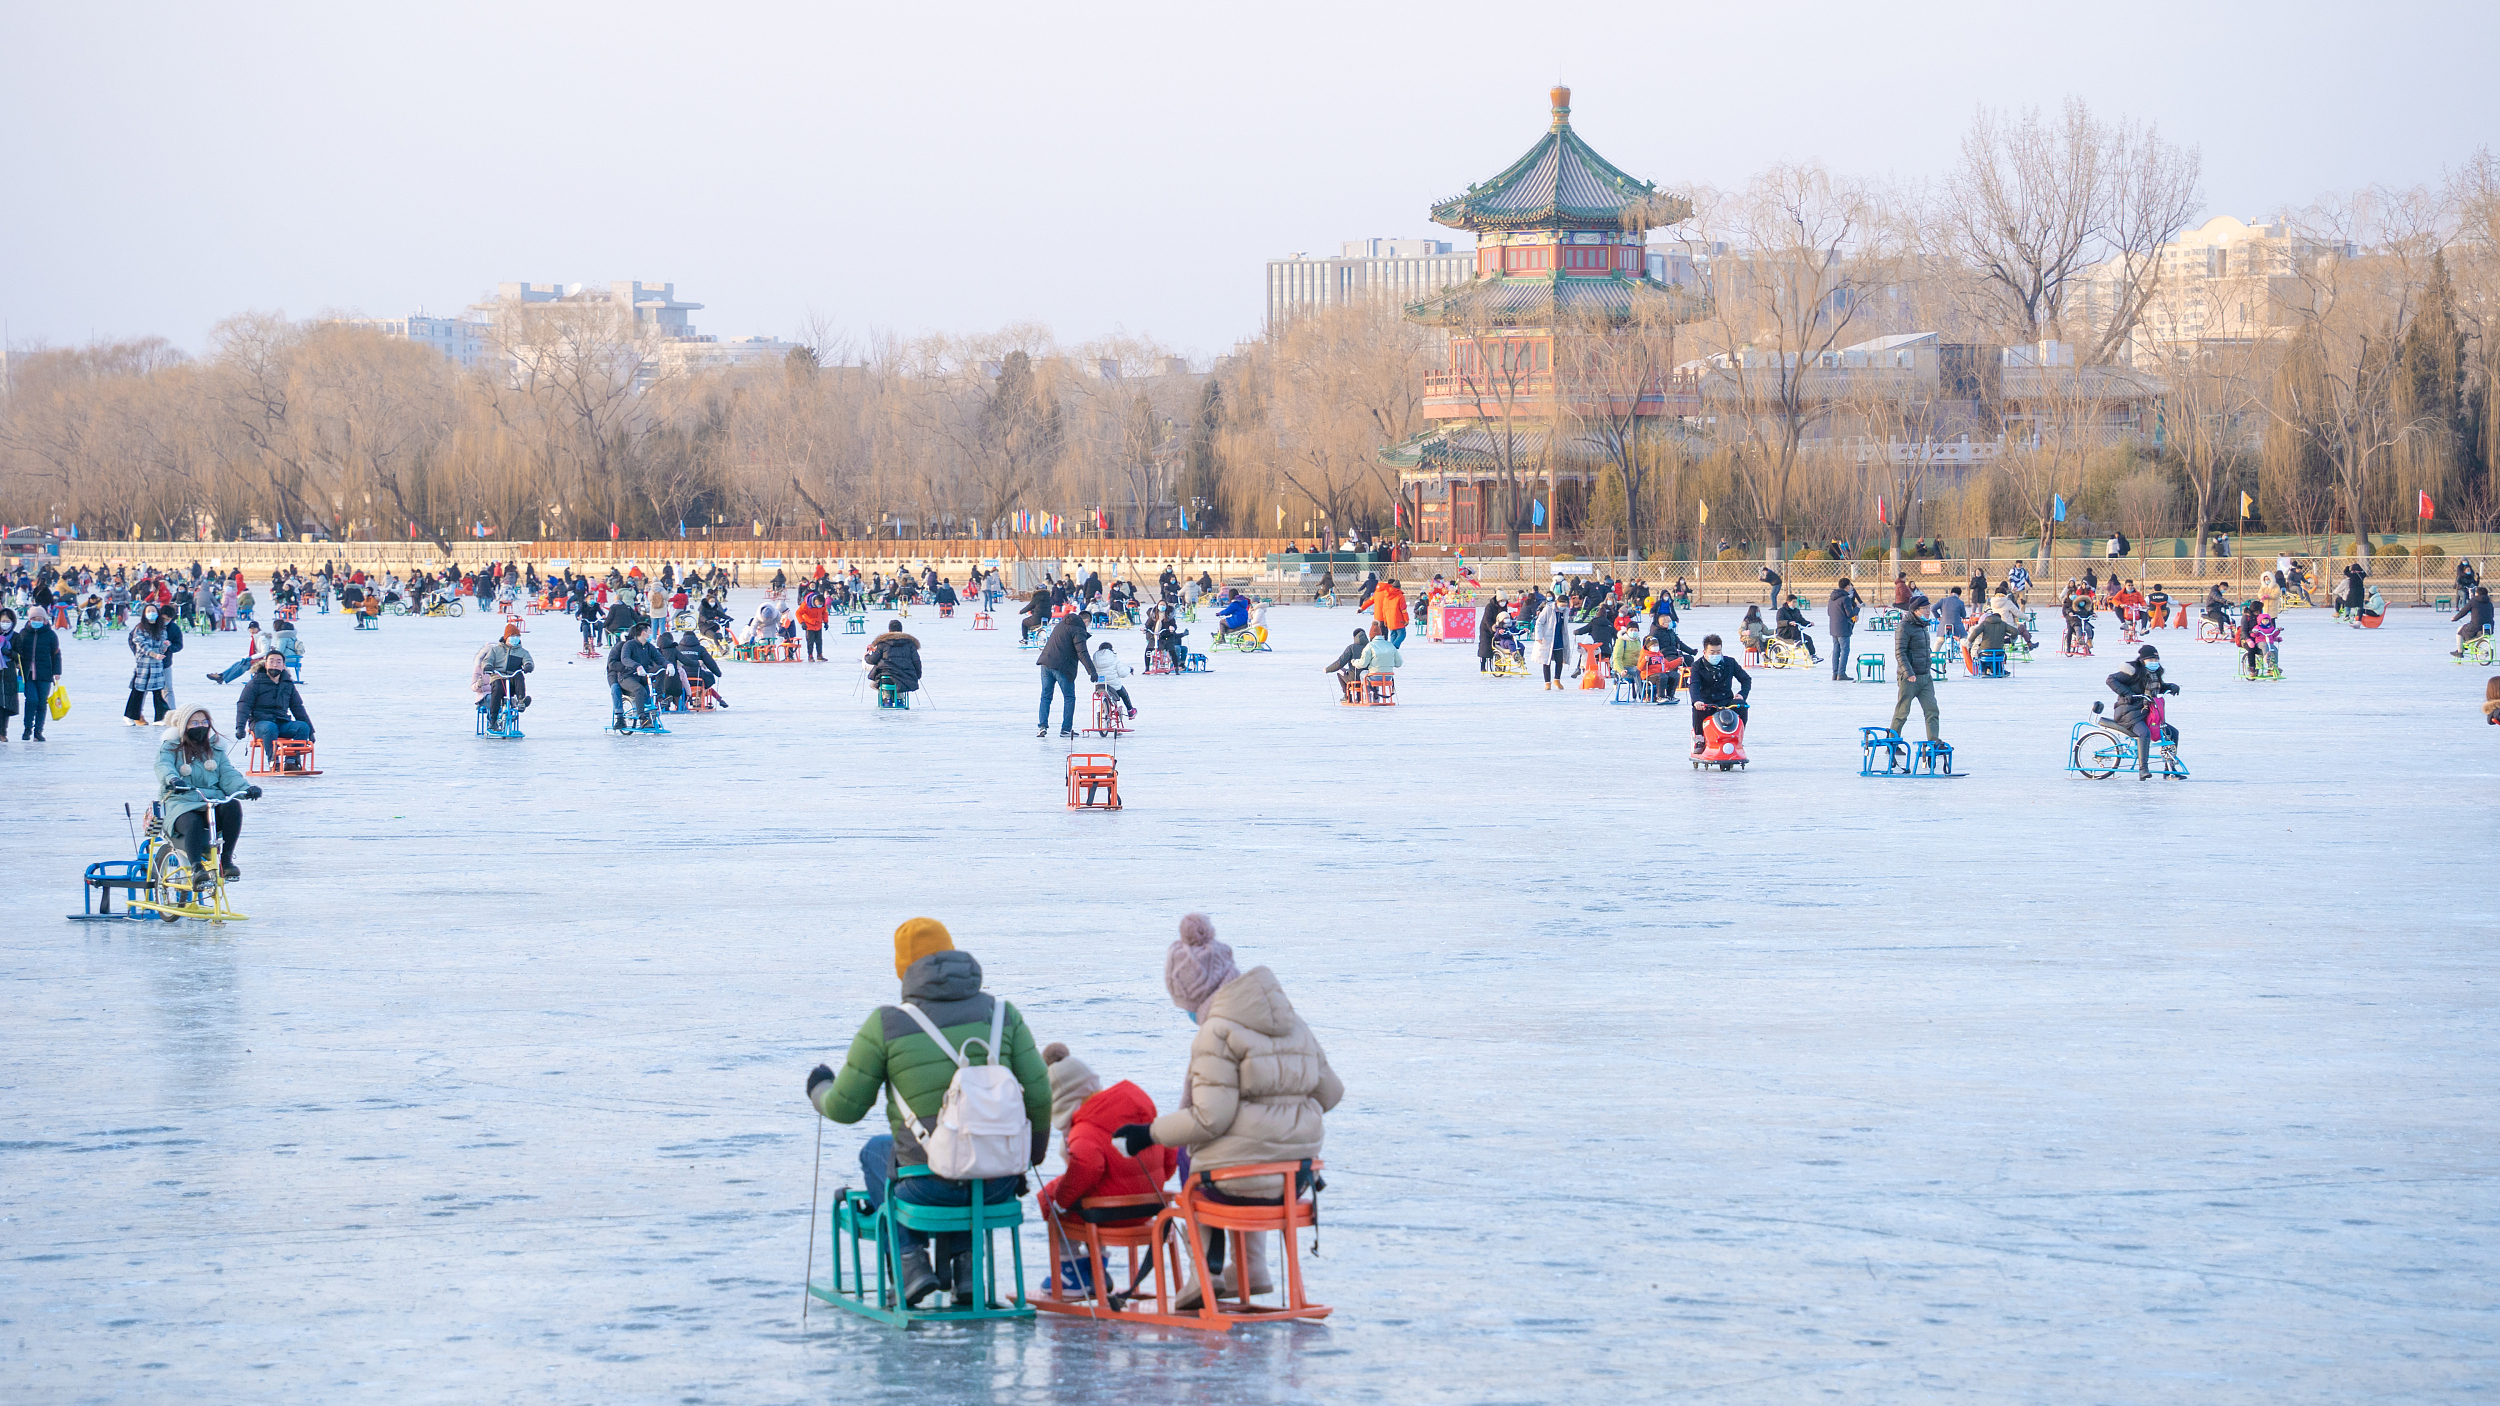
<point>1562,106</point>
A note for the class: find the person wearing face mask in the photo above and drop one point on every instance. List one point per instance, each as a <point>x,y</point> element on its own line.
<point>2135,686</point>
<point>153,643</point>
<point>198,783</point>
<point>8,669</point>
<point>1718,682</point>
<point>36,652</point>
<point>270,708</point>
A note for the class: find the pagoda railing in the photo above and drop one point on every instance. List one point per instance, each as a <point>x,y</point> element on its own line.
<point>1494,390</point>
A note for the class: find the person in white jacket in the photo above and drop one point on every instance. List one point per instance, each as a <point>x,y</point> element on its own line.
<point>1381,655</point>
<point>1553,642</point>
<point>1108,673</point>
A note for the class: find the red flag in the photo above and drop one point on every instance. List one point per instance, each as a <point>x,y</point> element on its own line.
<point>1883,514</point>
<point>2422,508</point>
<point>412,530</point>
<point>613,533</point>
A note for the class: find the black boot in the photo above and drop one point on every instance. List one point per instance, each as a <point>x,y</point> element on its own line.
<point>919,1281</point>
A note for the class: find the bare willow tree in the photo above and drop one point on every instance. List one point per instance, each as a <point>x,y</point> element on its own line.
<point>2212,413</point>
<point>2473,195</point>
<point>574,393</point>
<point>2360,266</point>
<point>2042,210</point>
<point>1806,252</point>
<point>1341,383</point>
<point>1614,372</point>
<point>367,411</point>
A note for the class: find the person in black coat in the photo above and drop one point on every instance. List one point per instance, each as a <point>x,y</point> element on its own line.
<point>1036,613</point>
<point>1062,654</point>
<point>1791,623</point>
<point>630,665</point>
<point>1347,666</point>
<point>1718,682</point>
<point>2476,611</point>
<point>2135,686</point>
<point>269,707</point>
<point>1675,651</point>
<point>894,658</point>
<point>8,668</point>
<point>1488,622</point>
<point>37,652</point>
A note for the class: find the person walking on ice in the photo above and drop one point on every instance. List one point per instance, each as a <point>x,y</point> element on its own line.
<point>1912,660</point>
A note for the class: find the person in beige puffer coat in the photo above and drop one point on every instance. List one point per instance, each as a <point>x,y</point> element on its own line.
<point>1258,1080</point>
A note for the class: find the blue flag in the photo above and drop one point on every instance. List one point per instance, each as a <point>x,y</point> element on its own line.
<point>1536,512</point>
<point>2058,502</point>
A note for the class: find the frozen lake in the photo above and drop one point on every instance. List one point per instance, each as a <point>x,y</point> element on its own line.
<point>1762,1087</point>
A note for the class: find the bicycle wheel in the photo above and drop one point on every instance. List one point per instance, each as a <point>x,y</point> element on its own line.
<point>455,610</point>
<point>2097,755</point>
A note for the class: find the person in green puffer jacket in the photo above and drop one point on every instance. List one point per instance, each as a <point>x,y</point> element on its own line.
<point>893,1057</point>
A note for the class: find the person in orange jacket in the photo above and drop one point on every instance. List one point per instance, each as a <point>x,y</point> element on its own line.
<point>812,615</point>
<point>1389,608</point>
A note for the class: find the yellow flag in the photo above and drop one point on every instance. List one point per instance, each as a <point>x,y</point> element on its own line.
<point>2243,504</point>
<point>1705,514</point>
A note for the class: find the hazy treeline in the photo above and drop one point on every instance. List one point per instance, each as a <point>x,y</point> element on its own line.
<point>2357,371</point>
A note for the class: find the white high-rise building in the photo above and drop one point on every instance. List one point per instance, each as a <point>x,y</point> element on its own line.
<point>1408,270</point>
<point>457,338</point>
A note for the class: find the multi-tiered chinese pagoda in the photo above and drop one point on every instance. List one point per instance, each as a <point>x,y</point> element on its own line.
<point>1562,265</point>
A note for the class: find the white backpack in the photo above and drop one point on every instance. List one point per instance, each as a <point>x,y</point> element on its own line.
<point>982,1130</point>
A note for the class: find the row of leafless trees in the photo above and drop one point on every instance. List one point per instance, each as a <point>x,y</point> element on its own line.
<point>2333,380</point>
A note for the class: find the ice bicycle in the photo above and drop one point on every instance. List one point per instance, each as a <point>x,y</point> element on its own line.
<point>161,881</point>
<point>2101,747</point>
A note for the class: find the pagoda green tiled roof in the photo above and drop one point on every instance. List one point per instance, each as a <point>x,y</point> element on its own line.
<point>1561,182</point>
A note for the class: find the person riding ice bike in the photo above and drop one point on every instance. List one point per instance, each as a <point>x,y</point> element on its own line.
<point>498,677</point>
<point>2475,611</point>
<point>632,666</point>
<point>2136,686</point>
<point>198,784</point>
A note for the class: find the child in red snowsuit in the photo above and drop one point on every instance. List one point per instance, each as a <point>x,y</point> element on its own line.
<point>1088,1114</point>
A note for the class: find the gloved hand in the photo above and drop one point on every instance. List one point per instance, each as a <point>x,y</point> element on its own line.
<point>2170,688</point>
<point>251,793</point>
<point>1134,1137</point>
<point>818,1075</point>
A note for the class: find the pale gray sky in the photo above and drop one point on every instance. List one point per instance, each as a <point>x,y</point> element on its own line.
<point>1097,168</point>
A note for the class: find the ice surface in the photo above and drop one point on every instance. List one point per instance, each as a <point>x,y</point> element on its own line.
<point>1760,1087</point>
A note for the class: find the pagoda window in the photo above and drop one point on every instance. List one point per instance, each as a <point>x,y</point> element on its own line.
<point>1527,258</point>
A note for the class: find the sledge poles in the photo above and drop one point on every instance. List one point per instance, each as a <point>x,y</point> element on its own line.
<point>815,1183</point>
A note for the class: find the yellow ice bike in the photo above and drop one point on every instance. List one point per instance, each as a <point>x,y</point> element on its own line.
<point>176,887</point>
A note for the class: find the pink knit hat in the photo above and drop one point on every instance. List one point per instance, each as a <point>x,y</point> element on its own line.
<point>1197,966</point>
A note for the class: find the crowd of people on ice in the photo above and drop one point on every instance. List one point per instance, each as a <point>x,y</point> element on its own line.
<point>664,637</point>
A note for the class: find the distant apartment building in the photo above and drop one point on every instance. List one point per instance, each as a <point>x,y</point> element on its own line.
<point>2223,283</point>
<point>457,338</point>
<point>656,313</point>
<point>1404,270</point>
<point>653,306</point>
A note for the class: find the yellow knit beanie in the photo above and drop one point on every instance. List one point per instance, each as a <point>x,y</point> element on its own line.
<point>918,938</point>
